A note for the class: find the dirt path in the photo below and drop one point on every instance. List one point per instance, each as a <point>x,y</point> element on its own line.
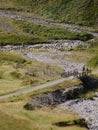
<point>43,22</point>
<point>40,21</point>
<point>57,59</point>
<point>26,91</point>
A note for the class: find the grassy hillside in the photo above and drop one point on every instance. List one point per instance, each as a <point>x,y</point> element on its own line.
<point>23,73</point>
<point>93,62</point>
<point>83,12</point>
<point>18,73</point>
<point>18,32</point>
<point>14,117</point>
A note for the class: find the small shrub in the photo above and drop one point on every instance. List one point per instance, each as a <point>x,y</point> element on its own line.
<point>15,74</point>
<point>28,106</point>
<point>80,122</point>
<point>84,36</point>
<point>29,81</point>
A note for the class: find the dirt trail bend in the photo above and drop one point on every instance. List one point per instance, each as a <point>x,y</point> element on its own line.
<point>43,22</point>
<point>29,90</point>
<point>36,20</point>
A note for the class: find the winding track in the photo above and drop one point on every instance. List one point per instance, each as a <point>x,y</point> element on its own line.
<point>26,91</point>
<point>82,108</point>
<point>43,22</point>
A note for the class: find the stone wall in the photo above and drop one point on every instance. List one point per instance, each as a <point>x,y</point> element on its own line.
<point>55,44</point>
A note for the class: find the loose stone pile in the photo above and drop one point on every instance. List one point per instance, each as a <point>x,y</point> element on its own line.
<point>19,47</point>
<point>51,99</point>
<point>64,44</point>
<point>88,109</point>
<point>55,45</point>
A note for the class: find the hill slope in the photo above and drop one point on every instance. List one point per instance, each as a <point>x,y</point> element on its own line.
<point>83,12</point>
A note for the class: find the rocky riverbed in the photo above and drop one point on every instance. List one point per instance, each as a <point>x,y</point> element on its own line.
<point>88,109</point>
<point>58,59</point>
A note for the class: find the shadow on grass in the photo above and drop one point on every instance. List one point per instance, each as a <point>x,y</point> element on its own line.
<point>78,122</point>
<point>90,84</point>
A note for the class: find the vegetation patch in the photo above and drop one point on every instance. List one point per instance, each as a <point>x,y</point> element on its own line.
<point>13,116</point>
<point>19,39</point>
<point>83,12</point>
<point>17,73</point>
<point>49,32</point>
<point>9,57</point>
<point>93,62</point>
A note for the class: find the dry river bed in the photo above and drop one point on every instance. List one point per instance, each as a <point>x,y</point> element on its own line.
<point>55,58</point>
<point>88,109</point>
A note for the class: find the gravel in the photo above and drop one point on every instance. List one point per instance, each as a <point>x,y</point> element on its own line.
<point>88,109</point>
<point>55,59</point>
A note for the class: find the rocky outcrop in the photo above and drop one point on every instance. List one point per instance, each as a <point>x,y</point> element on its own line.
<point>51,99</point>
<point>87,108</point>
<point>68,99</point>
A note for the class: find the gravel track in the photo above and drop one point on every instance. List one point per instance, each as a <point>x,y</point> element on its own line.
<point>43,22</point>
<point>36,88</point>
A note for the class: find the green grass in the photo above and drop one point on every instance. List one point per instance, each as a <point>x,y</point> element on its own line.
<point>49,32</point>
<point>88,56</point>
<point>93,62</point>
<point>83,12</point>
<point>89,94</point>
<point>13,116</point>
<point>17,73</point>
<point>29,34</point>
<point>61,86</point>
<point>11,57</point>
<point>20,39</point>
